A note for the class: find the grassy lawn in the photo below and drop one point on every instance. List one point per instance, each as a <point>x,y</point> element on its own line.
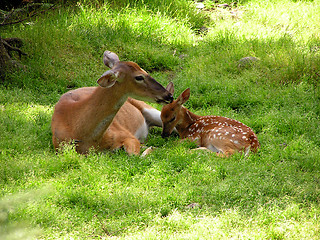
<point>175,192</point>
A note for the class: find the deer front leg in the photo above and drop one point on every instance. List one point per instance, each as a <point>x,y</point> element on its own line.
<point>117,137</point>
<point>131,145</point>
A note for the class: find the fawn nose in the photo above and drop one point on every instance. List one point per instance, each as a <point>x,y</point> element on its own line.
<point>164,135</point>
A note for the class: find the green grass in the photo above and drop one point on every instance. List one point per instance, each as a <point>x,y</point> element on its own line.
<point>273,194</point>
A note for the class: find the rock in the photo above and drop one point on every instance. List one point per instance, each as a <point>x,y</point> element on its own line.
<point>199,5</point>
<point>247,62</point>
<point>224,5</point>
<point>194,205</point>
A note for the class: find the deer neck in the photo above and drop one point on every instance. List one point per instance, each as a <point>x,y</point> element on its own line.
<point>187,119</point>
<point>98,111</point>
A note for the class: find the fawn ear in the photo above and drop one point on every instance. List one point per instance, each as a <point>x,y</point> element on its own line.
<point>170,88</point>
<point>108,79</point>
<point>184,96</point>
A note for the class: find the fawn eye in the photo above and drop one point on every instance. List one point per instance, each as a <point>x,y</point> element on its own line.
<point>172,119</point>
<point>139,78</point>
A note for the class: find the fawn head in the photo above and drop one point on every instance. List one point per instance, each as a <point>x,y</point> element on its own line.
<point>172,113</point>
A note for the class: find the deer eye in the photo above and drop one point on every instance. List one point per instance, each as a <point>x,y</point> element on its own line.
<point>139,78</point>
<point>172,119</point>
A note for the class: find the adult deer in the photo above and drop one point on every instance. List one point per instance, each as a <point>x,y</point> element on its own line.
<point>222,135</point>
<point>83,115</point>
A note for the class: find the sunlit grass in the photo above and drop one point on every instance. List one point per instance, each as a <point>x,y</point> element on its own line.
<point>229,224</point>
<point>18,131</point>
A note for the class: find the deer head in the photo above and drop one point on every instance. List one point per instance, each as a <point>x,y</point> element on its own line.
<point>138,83</point>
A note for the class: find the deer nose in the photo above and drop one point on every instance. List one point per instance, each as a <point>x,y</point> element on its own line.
<point>165,100</point>
<point>168,98</point>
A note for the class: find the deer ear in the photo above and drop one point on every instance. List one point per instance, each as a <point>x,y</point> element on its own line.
<point>108,79</point>
<point>110,58</point>
<point>184,96</point>
<point>170,88</point>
